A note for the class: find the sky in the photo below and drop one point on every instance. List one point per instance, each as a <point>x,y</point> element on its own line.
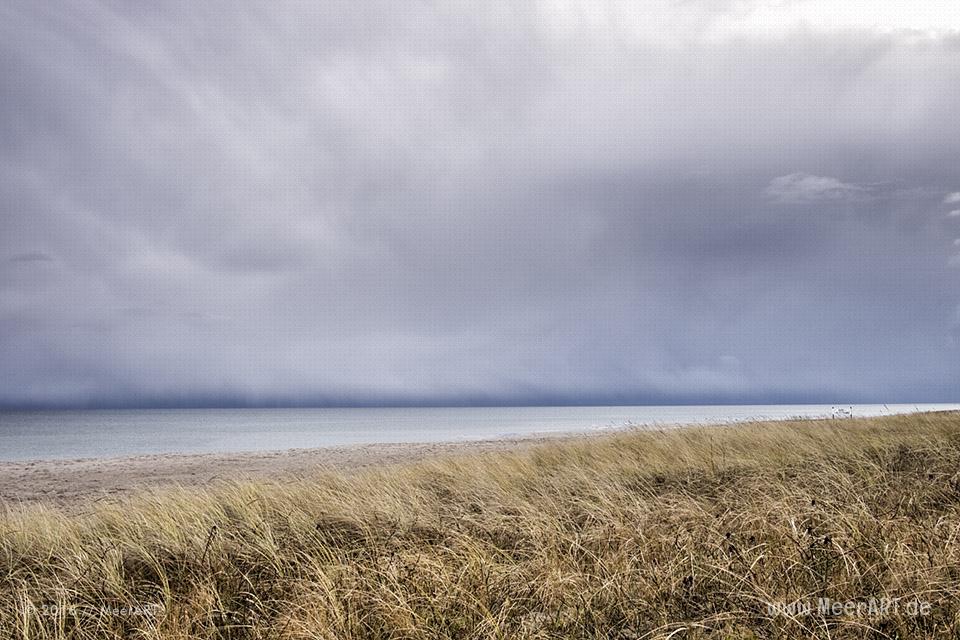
<point>363,203</point>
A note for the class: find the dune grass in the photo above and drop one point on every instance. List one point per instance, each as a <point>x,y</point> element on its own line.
<point>721,532</point>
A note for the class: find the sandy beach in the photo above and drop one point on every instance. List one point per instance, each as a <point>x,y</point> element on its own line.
<point>66,482</point>
<point>72,482</point>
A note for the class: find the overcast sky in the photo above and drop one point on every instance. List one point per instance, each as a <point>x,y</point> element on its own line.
<point>356,202</point>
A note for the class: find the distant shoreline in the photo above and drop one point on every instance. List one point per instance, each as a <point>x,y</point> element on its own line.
<point>67,482</point>
<point>74,435</point>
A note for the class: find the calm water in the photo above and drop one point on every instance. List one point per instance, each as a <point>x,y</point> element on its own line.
<point>83,434</point>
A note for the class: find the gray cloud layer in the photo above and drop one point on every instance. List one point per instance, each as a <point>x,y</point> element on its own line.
<point>343,203</point>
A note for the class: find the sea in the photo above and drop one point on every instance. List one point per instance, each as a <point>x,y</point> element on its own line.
<point>38,435</point>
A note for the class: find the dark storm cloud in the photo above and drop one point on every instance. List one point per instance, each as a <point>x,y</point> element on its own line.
<point>33,256</point>
<point>298,203</point>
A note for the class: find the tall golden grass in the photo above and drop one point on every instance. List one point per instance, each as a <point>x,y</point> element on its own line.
<point>721,532</point>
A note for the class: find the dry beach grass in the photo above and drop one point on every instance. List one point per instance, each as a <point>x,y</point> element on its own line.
<point>689,533</point>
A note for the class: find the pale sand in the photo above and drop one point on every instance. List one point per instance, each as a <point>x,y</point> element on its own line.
<point>66,482</point>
